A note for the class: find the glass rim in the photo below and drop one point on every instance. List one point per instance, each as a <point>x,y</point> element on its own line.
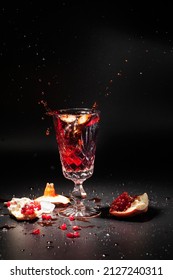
<point>75,110</point>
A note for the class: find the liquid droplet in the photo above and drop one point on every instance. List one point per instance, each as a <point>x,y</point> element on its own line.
<point>47,131</point>
<point>49,247</point>
<point>49,242</point>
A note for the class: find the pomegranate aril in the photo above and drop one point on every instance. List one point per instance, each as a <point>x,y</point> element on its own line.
<point>37,205</point>
<point>76,228</point>
<point>8,203</point>
<point>46,217</point>
<point>122,202</point>
<point>23,210</point>
<point>73,234</point>
<point>36,231</point>
<point>28,209</point>
<point>76,234</point>
<point>63,227</point>
<point>71,218</point>
<point>29,212</point>
<point>70,234</point>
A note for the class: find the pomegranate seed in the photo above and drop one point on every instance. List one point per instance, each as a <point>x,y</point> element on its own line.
<point>46,217</point>
<point>76,228</point>
<point>8,203</point>
<point>37,205</point>
<point>73,234</point>
<point>76,234</point>
<point>30,212</point>
<point>36,231</point>
<point>70,234</point>
<point>63,227</point>
<point>23,210</point>
<point>29,209</point>
<point>71,218</point>
<point>122,202</point>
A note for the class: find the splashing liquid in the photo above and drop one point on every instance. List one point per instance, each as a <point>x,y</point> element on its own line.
<point>50,112</point>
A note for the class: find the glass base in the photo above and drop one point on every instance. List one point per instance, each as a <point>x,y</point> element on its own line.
<point>85,212</point>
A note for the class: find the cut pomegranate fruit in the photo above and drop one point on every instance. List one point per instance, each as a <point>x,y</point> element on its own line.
<point>25,208</point>
<point>126,205</point>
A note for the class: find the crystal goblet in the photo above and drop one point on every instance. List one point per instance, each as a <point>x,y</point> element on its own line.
<point>76,132</point>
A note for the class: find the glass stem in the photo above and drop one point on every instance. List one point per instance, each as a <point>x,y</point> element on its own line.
<point>78,191</point>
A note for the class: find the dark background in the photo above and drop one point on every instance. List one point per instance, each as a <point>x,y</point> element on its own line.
<point>76,53</point>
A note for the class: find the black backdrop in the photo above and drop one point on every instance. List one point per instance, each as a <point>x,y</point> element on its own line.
<point>76,53</point>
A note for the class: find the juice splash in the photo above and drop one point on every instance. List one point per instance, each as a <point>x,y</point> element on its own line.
<point>76,137</point>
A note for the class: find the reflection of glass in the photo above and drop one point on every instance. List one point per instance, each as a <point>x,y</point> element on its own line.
<point>76,132</point>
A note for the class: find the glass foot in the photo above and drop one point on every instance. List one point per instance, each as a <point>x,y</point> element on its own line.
<point>85,212</point>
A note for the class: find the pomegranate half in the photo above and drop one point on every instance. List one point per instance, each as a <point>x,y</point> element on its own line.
<point>126,205</point>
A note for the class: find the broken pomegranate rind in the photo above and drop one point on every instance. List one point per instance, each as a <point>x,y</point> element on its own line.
<point>49,190</point>
<point>50,195</point>
<point>58,199</point>
<point>133,206</point>
<point>27,209</point>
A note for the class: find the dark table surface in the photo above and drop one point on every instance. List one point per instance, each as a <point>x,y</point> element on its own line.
<point>147,236</point>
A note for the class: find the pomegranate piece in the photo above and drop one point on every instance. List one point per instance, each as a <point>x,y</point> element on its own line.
<point>50,195</point>
<point>49,190</point>
<point>127,205</point>
<point>27,209</point>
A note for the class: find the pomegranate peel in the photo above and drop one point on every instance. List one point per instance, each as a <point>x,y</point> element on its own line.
<point>27,209</point>
<point>131,205</point>
<point>50,195</point>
